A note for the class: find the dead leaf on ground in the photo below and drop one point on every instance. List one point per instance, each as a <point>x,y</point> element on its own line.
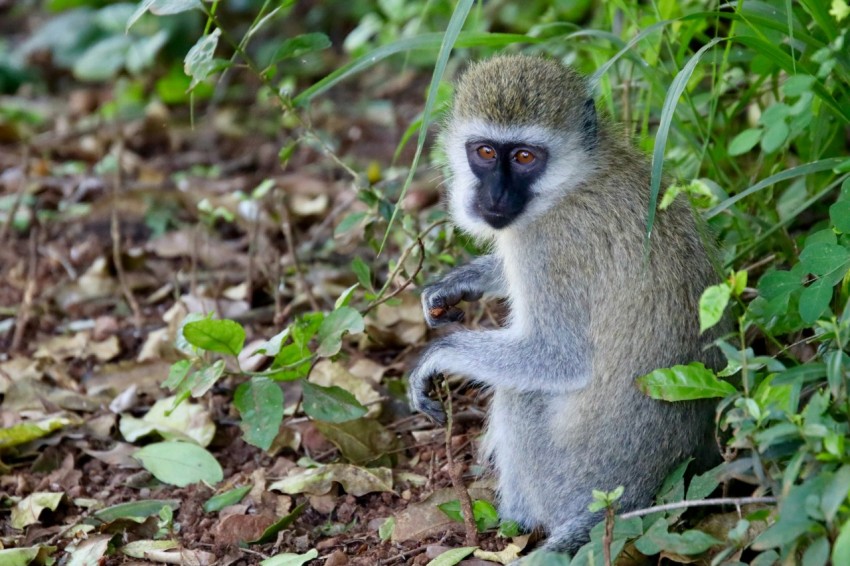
<point>319,481</point>
<point>423,519</point>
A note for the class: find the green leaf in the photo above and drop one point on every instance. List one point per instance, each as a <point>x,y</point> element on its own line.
<point>260,404</point>
<point>223,336</point>
<point>289,559</point>
<point>332,404</point>
<point>136,511</point>
<point>339,322</point>
<point>271,531</point>
<point>797,85</point>
<point>26,555</point>
<point>103,60</point>
<point>363,273</point>
<point>684,383</point>
<point>199,62</point>
<point>176,374</point>
<point>452,557</point>
<point>201,381</point>
<point>799,171</point>
<point>836,493</point>
<point>817,553</point>
<point>349,222</point>
<point>774,136</point>
<point>222,500</point>
<point>162,8</point>
<point>300,45</point>
<point>179,463</point>
<point>778,284</point>
<point>385,531</point>
<point>814,300</point>
<point>744,142</point>
<point>841,548</point>
<point>839,214</point>
<point>668,110</point>
<point>712,303</point>
<point>485,515</point>
<point>822,259</point>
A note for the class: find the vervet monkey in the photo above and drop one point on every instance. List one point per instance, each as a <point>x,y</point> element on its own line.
<point>562,199</point>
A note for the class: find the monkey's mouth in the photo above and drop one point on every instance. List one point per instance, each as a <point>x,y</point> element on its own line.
<point>496,218</point>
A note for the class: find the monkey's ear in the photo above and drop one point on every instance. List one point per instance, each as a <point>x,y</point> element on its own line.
<point>589,125</point>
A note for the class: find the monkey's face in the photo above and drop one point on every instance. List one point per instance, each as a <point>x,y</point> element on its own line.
<point>503,177</point>
<point>505,174</point>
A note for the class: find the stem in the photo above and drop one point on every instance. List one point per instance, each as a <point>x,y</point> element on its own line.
<point>456,475</point>
<point>736,501</point>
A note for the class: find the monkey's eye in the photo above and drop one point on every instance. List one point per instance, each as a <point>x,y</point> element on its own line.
<point>524,157</point>
<point>486,152</point>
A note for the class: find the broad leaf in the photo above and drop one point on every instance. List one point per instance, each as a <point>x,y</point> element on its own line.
<point>341,321</point>
<point>260,404</point>
<point>712,303</point>
<point>223,336</point>
<point>333,404</point>
<point>684,383</point>
<point>179,463</point>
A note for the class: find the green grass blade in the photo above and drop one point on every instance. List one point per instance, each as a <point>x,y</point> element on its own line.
<point>819,11</point>
<point>424,41</point>
<point>799,171</point>
<point>459,15</point>
<point>668,110</point>
<point>787,64</point>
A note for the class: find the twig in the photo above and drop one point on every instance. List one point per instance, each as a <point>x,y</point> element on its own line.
<point>29,292</point>
<point>286,228</point>
<point>406,283</point>
<point>403,556</point>
<point>471,531</point>
<point>19,197</point>
<point>736,501</point>
<point>115,231</point>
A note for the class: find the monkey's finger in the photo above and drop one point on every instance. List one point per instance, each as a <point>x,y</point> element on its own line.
<point>433,409</point>
<point>438,316</point>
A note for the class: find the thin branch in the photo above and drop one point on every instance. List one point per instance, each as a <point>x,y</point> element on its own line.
<point>286,228</point>
<point>115,231</point>
<point>406,283</point>
<point>29,293</point>
<point>19,196</point>
<point>471,531</point>
<point>736,501</point>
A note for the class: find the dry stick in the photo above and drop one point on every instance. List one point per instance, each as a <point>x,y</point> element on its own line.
<point>115,231</point>
<point>736,501</point>
<point>457,477</point>
<point>290,242</point>
<point>19,197</point>
<point>29,292</point>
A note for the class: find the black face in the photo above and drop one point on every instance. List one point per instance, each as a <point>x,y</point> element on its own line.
<point>505,172</point>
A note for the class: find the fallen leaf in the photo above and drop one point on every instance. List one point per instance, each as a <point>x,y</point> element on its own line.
<point>318,481</point>
<point>504,556</point>
<point>188,421</point>
<point>28,509</point>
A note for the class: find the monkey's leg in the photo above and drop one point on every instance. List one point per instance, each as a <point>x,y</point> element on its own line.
<point>470,282</point>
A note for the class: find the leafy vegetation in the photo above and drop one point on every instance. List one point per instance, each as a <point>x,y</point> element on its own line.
<point>746,106</point>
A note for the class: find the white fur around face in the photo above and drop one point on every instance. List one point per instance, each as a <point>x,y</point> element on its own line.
<point>568,165</point>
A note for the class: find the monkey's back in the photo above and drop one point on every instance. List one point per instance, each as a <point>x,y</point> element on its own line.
<point>640,313</point>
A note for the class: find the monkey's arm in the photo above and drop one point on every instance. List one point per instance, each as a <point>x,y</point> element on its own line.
<point>470,282</point>
<point>501,358</point>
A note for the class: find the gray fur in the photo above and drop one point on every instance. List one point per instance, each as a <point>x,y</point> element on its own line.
<point>590,312</point>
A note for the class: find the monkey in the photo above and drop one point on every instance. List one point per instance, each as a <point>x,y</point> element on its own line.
<point>560,196</point>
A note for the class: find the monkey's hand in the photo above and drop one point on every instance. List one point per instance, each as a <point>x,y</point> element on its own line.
<point>438,304</point>
<point>423,384</point>
<point>467,283</point>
